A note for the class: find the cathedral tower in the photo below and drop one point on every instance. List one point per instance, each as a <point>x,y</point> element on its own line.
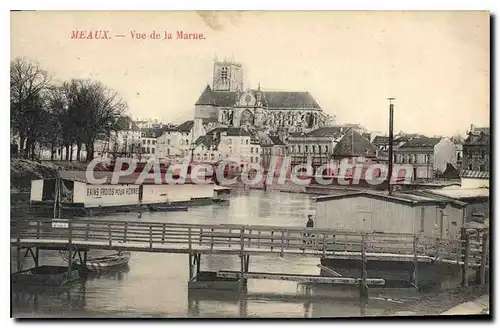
<point>228,76</point>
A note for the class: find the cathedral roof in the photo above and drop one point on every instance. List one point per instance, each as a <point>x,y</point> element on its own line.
<point>270,99</point>
<point>290,100</point>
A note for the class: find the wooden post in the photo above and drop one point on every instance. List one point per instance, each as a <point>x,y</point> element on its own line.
<point>242,260</point>
<point>18,259</point>
<point>125,232</point>
<point>70,231</point>
<point>87,231</point>
<point>190,266</point>
<point>363,287</point>
<point>484,253</point>
<point>150,237</point>
<point>415,263</point>
<point>70,261</point>
<point>189,241</point>
<point>212,239</point>
<point>37,257</point>
<point>282,242</point>
<point>465,267</point>
<point>85,260</point>
<point>109,234</point>
<point>198,263</point>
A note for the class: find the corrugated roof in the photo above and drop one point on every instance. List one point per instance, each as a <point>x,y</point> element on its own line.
<point>410,198</point>
<point>474,174</point>
<point>462,193</point>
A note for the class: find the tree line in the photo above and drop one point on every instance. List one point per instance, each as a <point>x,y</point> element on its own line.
<point>55,116</point>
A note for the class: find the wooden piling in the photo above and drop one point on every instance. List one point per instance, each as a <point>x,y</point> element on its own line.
<point>466,249</point>
<point>190,266</point>
<point>37,257</point>
<point>414,279</point>
<point>18,259</point>
<point>198,263</point>
<point>484,254</point>
<point>70,261</point>
<point>363,286</point>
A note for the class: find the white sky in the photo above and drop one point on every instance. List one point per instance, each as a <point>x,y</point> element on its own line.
<point>435,63</point>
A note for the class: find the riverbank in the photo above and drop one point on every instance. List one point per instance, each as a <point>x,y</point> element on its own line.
<point>440,302</point>
<point>22,171</point>
<point>481,305</point>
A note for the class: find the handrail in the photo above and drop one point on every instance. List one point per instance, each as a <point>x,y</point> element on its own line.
<point>321,242</point>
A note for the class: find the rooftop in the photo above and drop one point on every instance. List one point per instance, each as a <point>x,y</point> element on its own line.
<point>270,99</point>
<point>410,198</point>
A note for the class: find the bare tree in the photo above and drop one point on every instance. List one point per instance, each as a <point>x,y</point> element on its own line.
<point>102,111</point>
<point>28,83</point>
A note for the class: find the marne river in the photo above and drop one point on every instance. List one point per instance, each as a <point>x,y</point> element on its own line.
<point>155,285</point>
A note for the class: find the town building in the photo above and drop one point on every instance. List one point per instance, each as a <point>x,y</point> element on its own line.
<point>272,147</point>
<point>228,144</point>
<point>176,142</point>
<point>332,145</point>
<point>476,150</point>
<point>426,155</point>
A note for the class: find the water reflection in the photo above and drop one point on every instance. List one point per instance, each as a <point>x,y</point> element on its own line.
<point>311,305</point>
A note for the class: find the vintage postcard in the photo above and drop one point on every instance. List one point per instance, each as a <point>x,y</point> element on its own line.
<point>242,164</point>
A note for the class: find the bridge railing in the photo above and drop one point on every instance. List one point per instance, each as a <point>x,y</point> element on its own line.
<point>238,237</point>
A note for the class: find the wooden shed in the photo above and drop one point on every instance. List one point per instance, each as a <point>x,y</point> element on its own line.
<point>414,212</point>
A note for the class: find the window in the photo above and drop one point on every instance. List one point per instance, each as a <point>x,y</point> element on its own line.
<point>247,141</point>
<point>313,149</point>
<point>143,141</point>
<point>168,151</point>
<point>298,148</point>
<point>470,167</point>
<point>223,73</point>
<point>305,149</point>
<point>152,150</point>
<point>251,159</point>
<point>251,150</point>
<point>187,142</point>
<point>256,150</point>
<point>154,142</point>
<point>422,219</point>
<point>326,149</point>
<point>143,150</point>
<point>149,142</point>
<point>147,150</point>
<point>168,141</point>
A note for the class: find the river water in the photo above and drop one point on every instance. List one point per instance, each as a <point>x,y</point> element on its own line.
<point>155,284</point>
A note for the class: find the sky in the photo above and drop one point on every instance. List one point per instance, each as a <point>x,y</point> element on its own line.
<point>436,64</point>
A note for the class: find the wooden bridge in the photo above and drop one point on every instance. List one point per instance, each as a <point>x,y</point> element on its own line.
<point>244,240</point>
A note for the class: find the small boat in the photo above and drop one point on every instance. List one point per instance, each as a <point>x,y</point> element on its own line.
<point>167,208</point>
<point>45,275</point>
<point>108,261</point>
